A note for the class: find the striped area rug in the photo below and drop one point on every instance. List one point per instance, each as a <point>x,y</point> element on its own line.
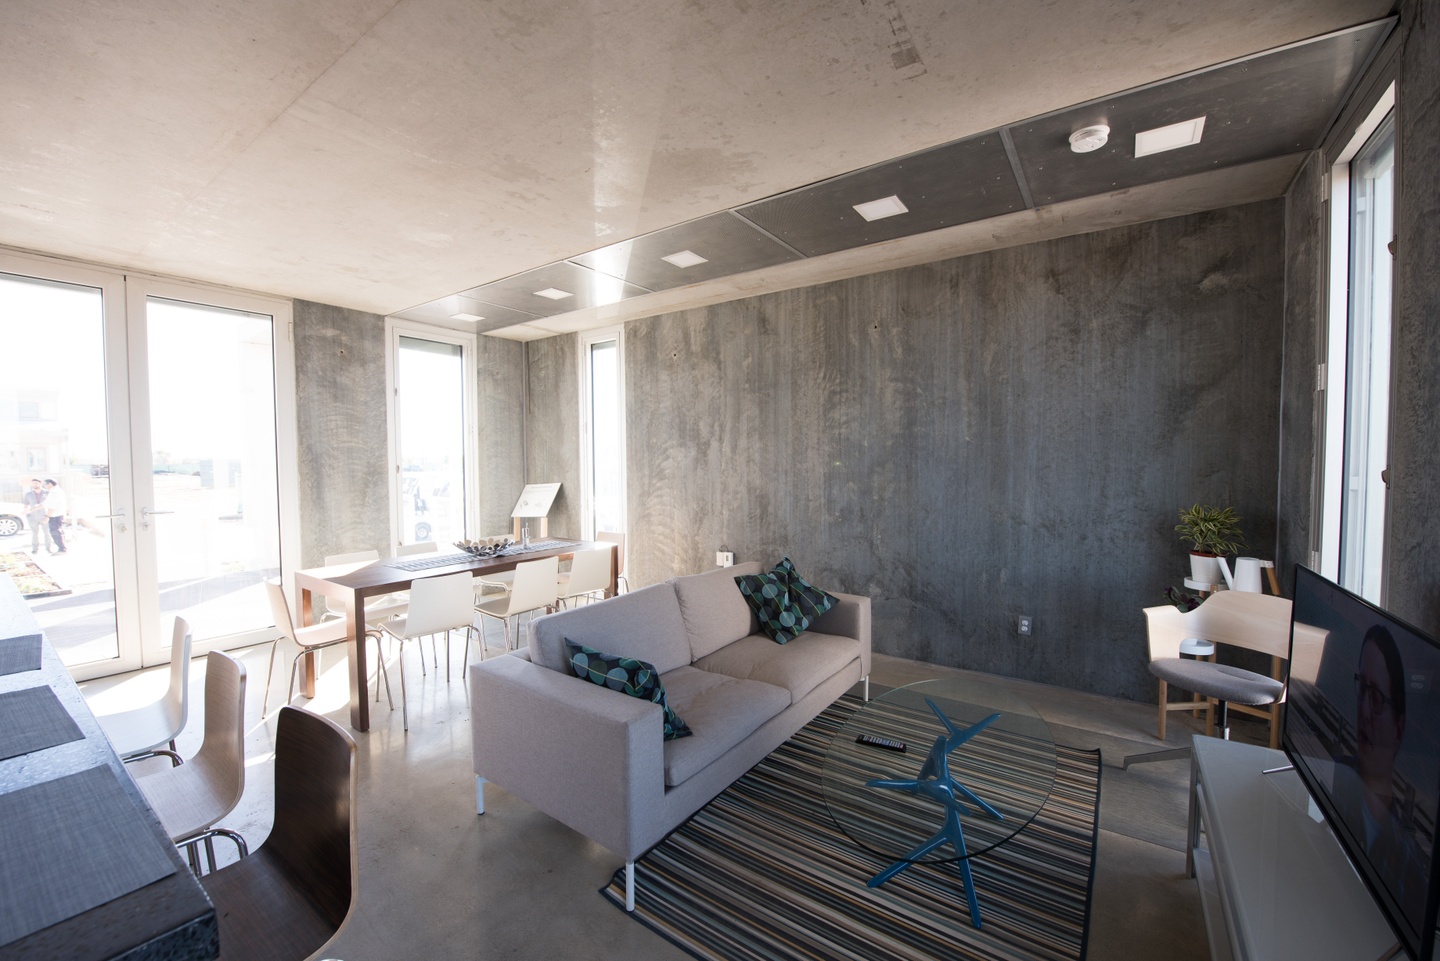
<point>763,873</point>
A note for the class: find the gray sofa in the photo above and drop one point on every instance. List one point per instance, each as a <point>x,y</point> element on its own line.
<point>596,759</point>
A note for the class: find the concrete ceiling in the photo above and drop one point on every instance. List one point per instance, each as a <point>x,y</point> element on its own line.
<point>384,154</point>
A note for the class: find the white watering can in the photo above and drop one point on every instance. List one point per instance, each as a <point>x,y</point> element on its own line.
<point>1246,576</point>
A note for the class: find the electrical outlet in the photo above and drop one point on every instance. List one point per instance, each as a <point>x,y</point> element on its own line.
<point>724,558</point>
<point>1024,624</point>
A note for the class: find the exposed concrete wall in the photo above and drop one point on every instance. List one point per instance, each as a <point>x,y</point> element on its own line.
<point>1299,411</point>
<point>502,410</point>
<point>552,428</point>
<point>340,396</point>
<point>969,440</point>
<point>344,489</point>
<point>1412,558</point>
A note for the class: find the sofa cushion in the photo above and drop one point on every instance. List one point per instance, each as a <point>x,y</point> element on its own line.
<point>643,624</point>
<point>714,610</point>
<point>722,711</point>
<point>628,676</point>
<point>785,603</point>
<point>799,667</point>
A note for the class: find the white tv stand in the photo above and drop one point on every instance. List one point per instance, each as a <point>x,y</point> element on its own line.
<point>1274,882</point>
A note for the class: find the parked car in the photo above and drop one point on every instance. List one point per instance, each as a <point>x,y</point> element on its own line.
<point>12,519</point>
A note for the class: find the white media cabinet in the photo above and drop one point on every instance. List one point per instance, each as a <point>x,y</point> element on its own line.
<point>1274,882</point>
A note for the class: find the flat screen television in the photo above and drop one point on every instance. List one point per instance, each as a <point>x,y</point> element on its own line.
<point>1362,727</point>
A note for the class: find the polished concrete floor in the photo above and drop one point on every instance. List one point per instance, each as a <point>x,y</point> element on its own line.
<point>439,882</point>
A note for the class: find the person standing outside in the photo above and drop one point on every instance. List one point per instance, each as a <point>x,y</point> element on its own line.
<point>34,501</point>
<point>55,509</point>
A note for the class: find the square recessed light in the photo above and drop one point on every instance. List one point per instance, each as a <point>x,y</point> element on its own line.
<point>466,315</point>
<point>880,209</point>
<point>1182,134</point>
<point>685,258</point>
<point>553,294</point>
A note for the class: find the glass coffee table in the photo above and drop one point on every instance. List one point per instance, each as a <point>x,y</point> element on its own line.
<point>978,765</point>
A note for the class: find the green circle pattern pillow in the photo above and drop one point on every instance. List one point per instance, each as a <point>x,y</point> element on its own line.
<point>628,676</point>
<point>784,601</point>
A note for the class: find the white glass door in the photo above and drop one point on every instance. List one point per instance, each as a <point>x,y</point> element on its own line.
<point>65,536</point>
<point>207,491</point>
<point>158,419</point>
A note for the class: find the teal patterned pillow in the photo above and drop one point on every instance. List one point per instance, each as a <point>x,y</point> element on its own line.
<point>784,601</point>
<point>628,676</point>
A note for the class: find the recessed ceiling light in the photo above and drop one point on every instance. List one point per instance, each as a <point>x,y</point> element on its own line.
<point>466,315</point>
<point>685,258</point>
<point>1089,138</point>
<point>1182,134</point>
<point>882,208</point>
<point>553,294</point>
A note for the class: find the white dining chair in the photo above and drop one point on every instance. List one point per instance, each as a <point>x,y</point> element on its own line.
<point>422,547</point>
<point>309,639</point>
<point>535,587</point>
<point>190,799</point>
<point>438,605</point>
<point>149,729</point>
<point>617,538</point>
<point>588,576</point>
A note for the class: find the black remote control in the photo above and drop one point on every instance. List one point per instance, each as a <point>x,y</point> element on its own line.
<point>874,741</point>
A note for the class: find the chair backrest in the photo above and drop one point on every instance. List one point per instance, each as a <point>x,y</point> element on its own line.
<point>589,572</point>
<point>441,603</point>
<point>221,758</point>
<point>315,786</point>
<point>354,557</point>
<point>614,537</point>
<point>176,702</point>
<point>536,585</point>
<point>424,547</point>
<point>280,608</point>
<point>1257,622</point>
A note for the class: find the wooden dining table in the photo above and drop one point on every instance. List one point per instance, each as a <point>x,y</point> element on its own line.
<point>346,587</point>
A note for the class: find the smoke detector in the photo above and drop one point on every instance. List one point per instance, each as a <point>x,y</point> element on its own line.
<point>1089,138</point>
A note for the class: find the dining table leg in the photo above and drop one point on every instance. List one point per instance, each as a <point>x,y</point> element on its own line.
<point>307,661</point>
<point>359,699</point>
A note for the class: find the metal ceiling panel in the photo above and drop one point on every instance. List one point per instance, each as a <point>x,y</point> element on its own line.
<point>729,244</point>
<point>586,288</point>
<point>1264,106</point>
<point>955,183</point>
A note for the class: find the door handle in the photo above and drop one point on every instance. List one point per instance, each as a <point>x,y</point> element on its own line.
<point>146,512</point>
<point>118,516</point>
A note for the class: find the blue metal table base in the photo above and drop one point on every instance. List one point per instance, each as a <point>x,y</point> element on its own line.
<point>935,782</point>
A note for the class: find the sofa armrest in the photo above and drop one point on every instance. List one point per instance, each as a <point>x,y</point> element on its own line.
<point>850,617</point>
<point>589,757</point>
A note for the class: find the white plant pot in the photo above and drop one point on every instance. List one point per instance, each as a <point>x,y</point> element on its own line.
<point>1205,568</point>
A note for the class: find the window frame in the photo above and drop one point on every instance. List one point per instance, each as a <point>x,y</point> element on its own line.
<point>1334,341</point>
<point>395,328</point>
<point>588,340</point>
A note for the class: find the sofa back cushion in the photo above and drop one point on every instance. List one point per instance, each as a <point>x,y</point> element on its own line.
<point>714,610</point>
<point>643,624</point>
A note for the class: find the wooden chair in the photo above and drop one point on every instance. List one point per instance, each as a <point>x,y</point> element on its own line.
<point>1256,622</point>
<point>191,798</point>
<point>290,897</point>
<point>143,731</point>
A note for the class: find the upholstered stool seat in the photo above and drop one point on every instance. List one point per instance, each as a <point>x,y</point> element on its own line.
<point>1220,681</point>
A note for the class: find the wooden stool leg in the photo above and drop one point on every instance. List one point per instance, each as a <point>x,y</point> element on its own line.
<point>1163,710</point>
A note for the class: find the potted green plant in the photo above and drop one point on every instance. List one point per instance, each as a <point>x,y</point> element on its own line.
<point>1210,532</point>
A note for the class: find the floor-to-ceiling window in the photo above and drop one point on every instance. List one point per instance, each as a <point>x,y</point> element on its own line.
<point>143,436</point>
<point>433,435</point>
<point>602,393</point>
<point>1358,394</point>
